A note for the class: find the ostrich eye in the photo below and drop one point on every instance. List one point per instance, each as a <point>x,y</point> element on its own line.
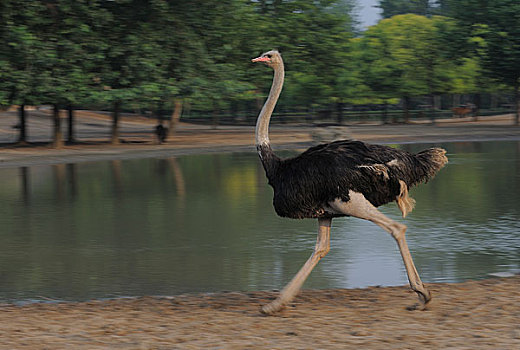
<point>269,56</point>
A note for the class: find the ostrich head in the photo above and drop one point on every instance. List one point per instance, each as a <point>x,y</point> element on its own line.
<point>271,58</point>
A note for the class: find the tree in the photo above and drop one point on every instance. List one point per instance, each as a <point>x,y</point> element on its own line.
<point>391,8</point>
<point>50,47</point>
<point>224,36</point>
<point>68,30</point>
<point>495,30</point>
<point>404,56</point>
<point>22,57</point>
<point>313,37</point>
<point>380,71</point>
<point>132,53</point>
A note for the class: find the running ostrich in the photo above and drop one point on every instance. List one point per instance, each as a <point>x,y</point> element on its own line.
<point>342,178</point>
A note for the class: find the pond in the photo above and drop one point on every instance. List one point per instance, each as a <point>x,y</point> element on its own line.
<point>205,223</point>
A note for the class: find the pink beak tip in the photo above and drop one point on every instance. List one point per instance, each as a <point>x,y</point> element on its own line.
<point>260,59</point>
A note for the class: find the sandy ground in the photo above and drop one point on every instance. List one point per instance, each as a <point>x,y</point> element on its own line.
<point>471,315</point>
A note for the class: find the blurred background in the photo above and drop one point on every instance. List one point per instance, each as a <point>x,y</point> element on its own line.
<point>346,60</point>
<point>205,222</point>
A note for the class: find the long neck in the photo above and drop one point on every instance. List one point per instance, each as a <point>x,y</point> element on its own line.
<point>262,123</point>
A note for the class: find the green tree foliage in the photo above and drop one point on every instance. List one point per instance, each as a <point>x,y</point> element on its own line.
<point>493,27</point>
<point>313,37</point>
<point>392,8</point>
<point>131,53</point>
<point>162,54</point>
<point>49,50</point>
<point>224,31</point>
<point>71,51</point>
<point>404,57</point>
<point>21,66</point>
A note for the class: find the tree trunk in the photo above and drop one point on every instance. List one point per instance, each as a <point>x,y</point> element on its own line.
<point>476,110</point>
<point>233,111</point>
<point>406,112</point>
<point>494,101</point>
<point>339,111</point>
<point>456,100</point>
<point>115,123</point>
<point>385,113</point>
<point>215,117</point>
<point>176,116</point>
<point>23,130</point>
<point>71,138</point>
<point>58,139</point>
<point>434,108</point>
<point>517,104</point>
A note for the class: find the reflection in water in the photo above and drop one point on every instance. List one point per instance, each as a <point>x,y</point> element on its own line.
<point>206,223</point>
<point>71,180</point>
<point>115,166</point>
<point>59,181</point>
<point>25,187</point>
<point>176,171</point>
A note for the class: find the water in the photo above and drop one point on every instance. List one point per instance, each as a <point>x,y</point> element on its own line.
<point>205,223</point>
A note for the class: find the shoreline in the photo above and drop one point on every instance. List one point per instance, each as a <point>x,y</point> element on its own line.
<point>268,294</point>
<point>195,139</point>
<point>479,314</point>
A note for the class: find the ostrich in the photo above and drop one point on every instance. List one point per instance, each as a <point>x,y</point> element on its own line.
<point>342,178</point>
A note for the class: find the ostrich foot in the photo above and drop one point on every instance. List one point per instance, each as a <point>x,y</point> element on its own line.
<point>424,298</point>
<point>424,294</point>
<point>272,308</point>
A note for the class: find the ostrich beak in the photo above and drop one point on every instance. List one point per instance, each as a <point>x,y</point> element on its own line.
<point>261,59</point>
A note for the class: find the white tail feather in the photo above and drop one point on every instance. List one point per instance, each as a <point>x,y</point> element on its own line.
<point>404,202</point>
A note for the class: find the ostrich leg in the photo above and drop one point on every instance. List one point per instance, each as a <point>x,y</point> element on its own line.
<point>291,289</point>
<point>360,207</point>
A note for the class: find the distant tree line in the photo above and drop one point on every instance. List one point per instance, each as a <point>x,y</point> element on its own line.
<point>164,55</point>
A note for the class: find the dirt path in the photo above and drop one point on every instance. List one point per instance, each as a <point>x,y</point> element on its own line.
<point>192,139</point>
<point>471,315</point>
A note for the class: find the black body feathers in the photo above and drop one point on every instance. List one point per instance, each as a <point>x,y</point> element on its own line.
<point>304,185</point>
